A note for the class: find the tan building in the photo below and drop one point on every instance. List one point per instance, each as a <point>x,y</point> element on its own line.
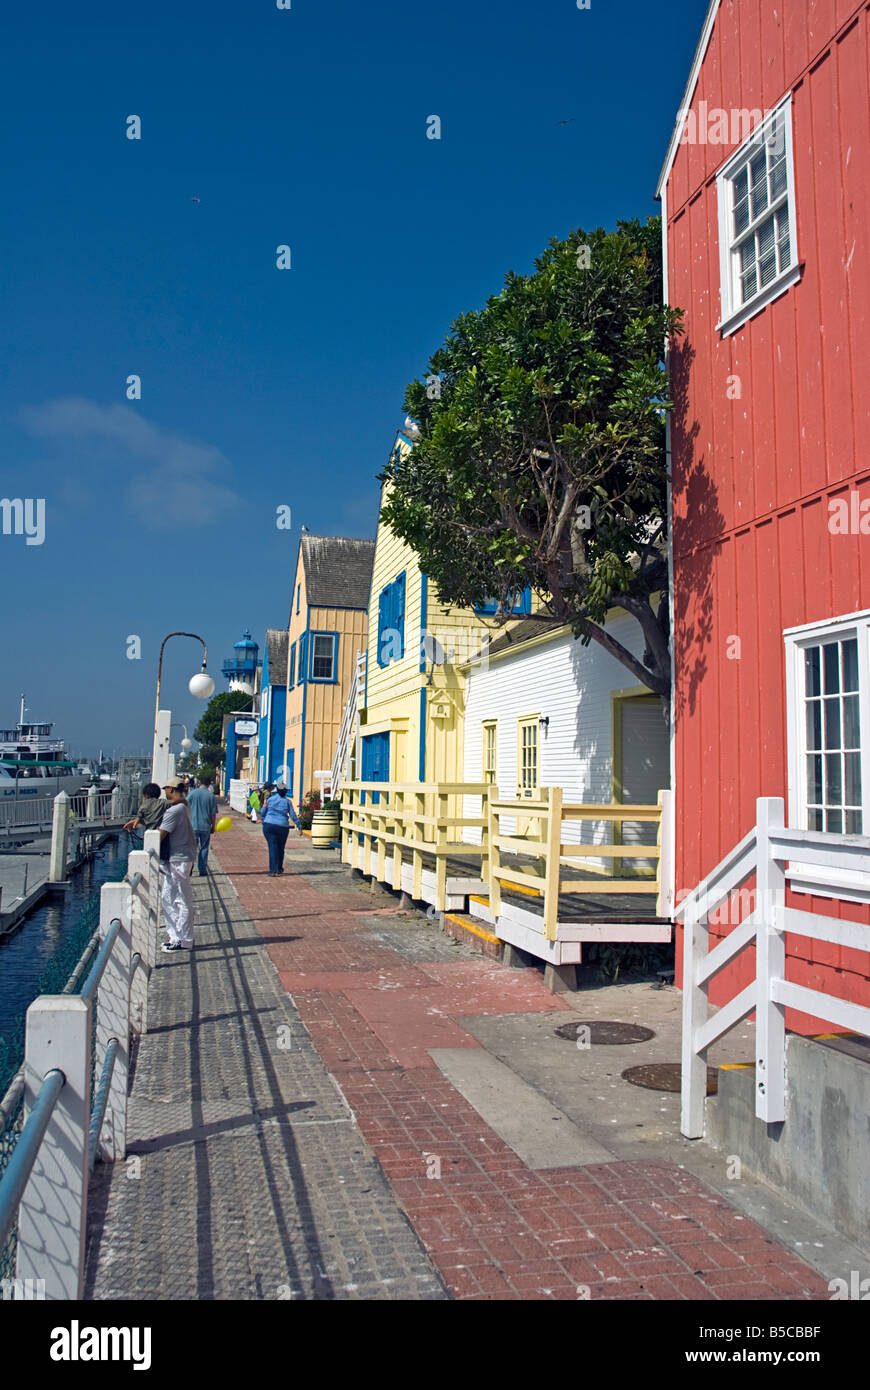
<point>327,629</point>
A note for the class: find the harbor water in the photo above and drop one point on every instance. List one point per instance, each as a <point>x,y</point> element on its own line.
<point>29,949</point>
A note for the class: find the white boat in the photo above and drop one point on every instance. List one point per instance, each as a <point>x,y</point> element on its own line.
<point>32,763</point>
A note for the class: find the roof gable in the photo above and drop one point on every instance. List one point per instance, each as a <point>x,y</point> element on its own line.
<point>688,94</point>
<point>338,571</point>
<point>276,655</point>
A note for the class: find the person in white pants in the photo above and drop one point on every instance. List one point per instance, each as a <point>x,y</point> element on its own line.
<point>177,894</point>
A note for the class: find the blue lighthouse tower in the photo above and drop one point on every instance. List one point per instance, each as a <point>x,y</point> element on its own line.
<point>241,668</point>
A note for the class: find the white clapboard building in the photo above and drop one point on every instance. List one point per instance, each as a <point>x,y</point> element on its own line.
<point>542,710</point>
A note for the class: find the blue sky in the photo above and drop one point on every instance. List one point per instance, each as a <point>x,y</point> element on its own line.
<point>263,387</point>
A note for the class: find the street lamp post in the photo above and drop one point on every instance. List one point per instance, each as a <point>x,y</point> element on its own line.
<point>186,743</point>
<point>200,685</point>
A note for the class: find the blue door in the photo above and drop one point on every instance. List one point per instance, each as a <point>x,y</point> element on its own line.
<point>375,765</point>
<point>376,761</point>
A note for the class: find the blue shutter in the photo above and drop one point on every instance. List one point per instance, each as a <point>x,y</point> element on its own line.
<point>399,587</point>
<point>382,617</point>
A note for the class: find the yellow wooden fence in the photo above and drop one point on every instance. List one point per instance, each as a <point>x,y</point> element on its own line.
<point>410,820</point>
<point>548,847</point>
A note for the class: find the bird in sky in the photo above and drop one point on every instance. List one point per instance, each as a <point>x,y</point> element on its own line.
<point>195,200</point>
<point>568,122</point>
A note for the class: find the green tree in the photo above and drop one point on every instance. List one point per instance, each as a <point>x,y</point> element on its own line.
<point>540,459</point>
<point>208,730</point>
<point>212,754</point>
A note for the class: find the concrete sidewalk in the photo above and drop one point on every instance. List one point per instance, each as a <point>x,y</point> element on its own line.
<point>527,1168</point>
<point>247,1176</point>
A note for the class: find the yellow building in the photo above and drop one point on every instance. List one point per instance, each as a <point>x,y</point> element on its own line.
<point>327,629</point>
<point>412,704</point>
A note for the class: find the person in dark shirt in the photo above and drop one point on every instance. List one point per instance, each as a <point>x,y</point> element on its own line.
<point>151,809</point>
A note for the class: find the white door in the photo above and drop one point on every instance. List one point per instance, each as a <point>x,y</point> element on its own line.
<point>645,761</point>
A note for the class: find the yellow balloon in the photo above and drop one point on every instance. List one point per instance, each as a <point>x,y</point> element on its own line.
<point>225,823</point>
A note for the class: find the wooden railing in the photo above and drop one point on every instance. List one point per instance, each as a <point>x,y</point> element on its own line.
<point>409,820</point>
<point>764,853</point>
<point>547,846</point>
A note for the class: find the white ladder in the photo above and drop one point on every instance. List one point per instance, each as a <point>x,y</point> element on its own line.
<point>348,726</point>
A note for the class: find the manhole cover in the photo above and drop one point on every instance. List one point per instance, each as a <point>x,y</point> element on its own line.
<point>665,1076</point>
<point>606,1032</point>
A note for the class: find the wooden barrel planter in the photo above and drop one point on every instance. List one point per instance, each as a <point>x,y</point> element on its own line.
<point>324,829</point>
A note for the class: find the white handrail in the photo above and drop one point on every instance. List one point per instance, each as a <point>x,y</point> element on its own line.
<point>765,850</point>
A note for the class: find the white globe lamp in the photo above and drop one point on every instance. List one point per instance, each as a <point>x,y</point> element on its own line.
<point>201,685</point>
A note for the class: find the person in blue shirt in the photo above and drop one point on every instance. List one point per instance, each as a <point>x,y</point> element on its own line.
<point>277,814</point>
<point>203,814</point>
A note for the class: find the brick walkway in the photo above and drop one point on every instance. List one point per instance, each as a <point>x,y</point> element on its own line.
<point>376,991</point>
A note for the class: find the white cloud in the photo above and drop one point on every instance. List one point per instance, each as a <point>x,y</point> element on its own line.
<point>178,482</point>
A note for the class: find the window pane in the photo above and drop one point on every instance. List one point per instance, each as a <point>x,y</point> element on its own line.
<point>758,197</point>
<point>778,178</point>
<point>834,822</point>
<point>767,268</point>
<point>321,659</point>
<point>851,723</point>
<point>833,779</point>
<point>814,724</point>
<point>741,185</point>
<point>854,821</point>
<point>814,779</point>
<point>741,216</point>
<point>853,779</point>
<point>850,663</point>
<point>747,284</point>
<point>814,821</point>
<point>766,237</point>
<point>832,723</point>
<point>811,671</point>
<point>831,660</point>
<point>758,168</point>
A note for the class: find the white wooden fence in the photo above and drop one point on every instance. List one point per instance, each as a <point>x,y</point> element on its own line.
<point>765,852</point>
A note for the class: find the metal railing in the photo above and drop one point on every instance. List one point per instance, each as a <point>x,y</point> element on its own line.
<point>69,1119</point>
<point>764,852</point>
<point>38,811</point>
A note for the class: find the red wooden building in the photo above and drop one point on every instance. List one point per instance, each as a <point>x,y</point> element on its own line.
<point>766,223</point>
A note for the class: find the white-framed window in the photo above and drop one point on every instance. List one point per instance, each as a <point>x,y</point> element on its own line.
<point>527,756</point>
<point>828,701</point>
<point>490,752</point>
<point>324,654</point>
<point>757,224</point>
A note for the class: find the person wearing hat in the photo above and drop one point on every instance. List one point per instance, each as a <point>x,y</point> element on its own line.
<point>277,814</point>
<point>178,844</point>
